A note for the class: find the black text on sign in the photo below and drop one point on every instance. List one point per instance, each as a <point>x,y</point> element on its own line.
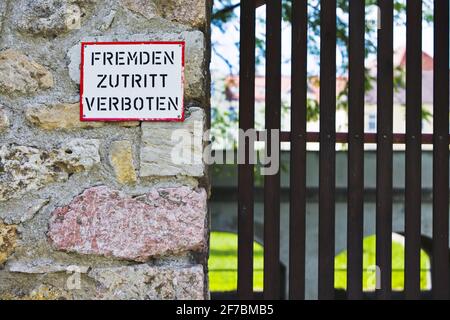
<point>132,81</point>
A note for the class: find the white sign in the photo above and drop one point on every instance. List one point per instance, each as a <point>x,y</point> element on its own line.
<point>132,81</point>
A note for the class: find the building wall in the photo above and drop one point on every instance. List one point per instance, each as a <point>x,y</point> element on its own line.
<point>224,204</point>
<point>97,210</point>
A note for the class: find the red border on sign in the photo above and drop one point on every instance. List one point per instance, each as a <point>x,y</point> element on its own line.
<point>83,44</point>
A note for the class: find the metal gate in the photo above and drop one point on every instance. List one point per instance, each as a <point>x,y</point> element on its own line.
<point>356,138</point>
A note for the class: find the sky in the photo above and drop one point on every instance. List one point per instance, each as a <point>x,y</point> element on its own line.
<point>225,45</point>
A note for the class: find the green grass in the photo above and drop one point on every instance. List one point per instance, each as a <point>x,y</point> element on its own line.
<point>398,266</point>
<point>223,263</point>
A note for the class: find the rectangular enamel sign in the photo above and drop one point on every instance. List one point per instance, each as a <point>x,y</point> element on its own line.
<point>126,81</point>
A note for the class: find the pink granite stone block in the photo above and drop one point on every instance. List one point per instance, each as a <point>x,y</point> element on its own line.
<point>106,222</point>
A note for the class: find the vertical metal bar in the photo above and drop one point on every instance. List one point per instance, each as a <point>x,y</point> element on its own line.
<point>385,84</point>
<point>245,171</point>
<point>355,218</point>
<point>297,220</point>
<point>273,122</point>
<point>327,161</point>
<point>440,264</point>
<point>413,147</point>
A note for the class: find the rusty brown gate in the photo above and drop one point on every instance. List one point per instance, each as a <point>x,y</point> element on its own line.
<point>356,138</point>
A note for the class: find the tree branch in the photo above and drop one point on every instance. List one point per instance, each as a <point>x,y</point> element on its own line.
<point>258,3</point>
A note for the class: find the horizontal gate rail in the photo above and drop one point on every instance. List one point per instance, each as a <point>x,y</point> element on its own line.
<point>343,137</point>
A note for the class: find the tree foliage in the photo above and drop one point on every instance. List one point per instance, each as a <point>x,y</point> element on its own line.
<point>225,12</point>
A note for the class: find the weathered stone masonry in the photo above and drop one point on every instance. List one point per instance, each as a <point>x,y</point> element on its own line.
<point>95,210</point>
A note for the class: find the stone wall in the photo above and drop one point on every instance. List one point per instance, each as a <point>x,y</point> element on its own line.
<point>95,210</point>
